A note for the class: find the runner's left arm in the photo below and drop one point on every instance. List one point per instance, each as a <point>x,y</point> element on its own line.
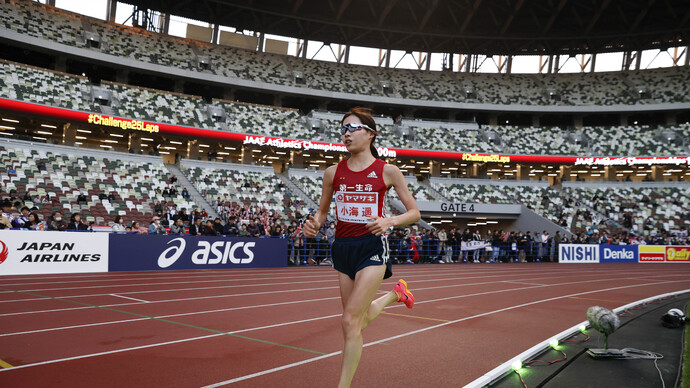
<point>392,175</point>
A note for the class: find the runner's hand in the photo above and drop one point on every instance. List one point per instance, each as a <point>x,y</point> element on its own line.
<point>311,226</point>
<point>379,225</point>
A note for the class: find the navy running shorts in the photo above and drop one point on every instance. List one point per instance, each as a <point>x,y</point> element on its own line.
<point>351,254</point>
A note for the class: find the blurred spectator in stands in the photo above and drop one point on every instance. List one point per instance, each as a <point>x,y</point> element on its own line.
<point>57,222</point>
<point>155,227</point>
<point>172,191</point>
<point>433,247</point>
<point>604,239</point>
<point>466,237</point>
<point>512,247</point>
<point>81,199</point>
<point>76,224</point>
<point>204,213</point>
<point>16,201</point>
<point>253,229</point>
<point>166,192</point>
<point>18,222</point>
<point>172,208</point>
<point>27,198</point>
<point>451,245</point>
<point>557,240</point>
<point>274,231</point>
<point>488,250</point>
<point>143,229</point>
<point>442,240</point>
<point>196,229</point>
<point>476,236</point>
<point>173,179</point>
<point>230,227</point>
<point>209,230</point>
<point>5,222</point>
<point>119,224</point>
<point>177,227</point>
<point>111,196</point>
<point>157,207</point>
<point>528,242</point>
<point>193,216</point>
<point>182,214</point>
<point>546,246</point>
<point>243,231</point>
<point>102,196</point>
<point>496,245</point>
<point>330,233</point>
<point>166,218</point>
<point>218,226</point>
<point>34,222</point>
<point>7,210</point>
<point>128,229</point>
<point>423,246</point>
<point>185,193</point>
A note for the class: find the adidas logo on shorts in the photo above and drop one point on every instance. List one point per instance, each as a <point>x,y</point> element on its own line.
<point>375,258</point>
<point>372,175</point>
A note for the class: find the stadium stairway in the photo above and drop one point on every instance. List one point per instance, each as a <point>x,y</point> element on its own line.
<point>298,190</point>
<point>616,226</point>
<point>199,199</point>
<point>433,192</point>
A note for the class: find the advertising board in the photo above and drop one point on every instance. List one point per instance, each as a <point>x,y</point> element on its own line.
<point>172,252</point>
<point>34,252</point>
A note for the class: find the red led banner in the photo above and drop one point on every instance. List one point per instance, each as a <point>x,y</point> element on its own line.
<point>266,141</point>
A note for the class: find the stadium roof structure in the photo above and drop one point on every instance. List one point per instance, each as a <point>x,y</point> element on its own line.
<point>490,27</point>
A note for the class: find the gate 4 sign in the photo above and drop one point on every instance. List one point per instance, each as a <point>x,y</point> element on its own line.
<point>678,254</point>
<point>356,207</point>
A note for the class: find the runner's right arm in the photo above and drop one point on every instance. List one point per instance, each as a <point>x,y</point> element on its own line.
<point>312,225</point>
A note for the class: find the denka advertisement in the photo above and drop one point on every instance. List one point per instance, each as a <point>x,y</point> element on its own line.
<point>618,253</point>
<point>31,252</point>
<point>149,252</point>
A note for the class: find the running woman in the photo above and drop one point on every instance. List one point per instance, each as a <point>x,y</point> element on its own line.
<point>360,251</point>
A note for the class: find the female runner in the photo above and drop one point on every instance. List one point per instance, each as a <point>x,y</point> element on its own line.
<point>360,250</point>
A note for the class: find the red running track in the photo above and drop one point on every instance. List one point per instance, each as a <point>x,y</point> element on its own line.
<point>281,327</point>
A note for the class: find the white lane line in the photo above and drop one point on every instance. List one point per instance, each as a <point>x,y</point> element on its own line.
<point>527,283</point>
<point>310,360</point>
<point>130,298</point>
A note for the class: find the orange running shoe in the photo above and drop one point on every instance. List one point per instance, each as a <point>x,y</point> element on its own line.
<point>404,295</point>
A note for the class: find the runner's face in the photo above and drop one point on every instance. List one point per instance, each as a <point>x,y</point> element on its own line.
<point>356,141</point>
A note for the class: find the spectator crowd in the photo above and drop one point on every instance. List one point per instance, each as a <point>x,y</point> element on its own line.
<point>407,245</point>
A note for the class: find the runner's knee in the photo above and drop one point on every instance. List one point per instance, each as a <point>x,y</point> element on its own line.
<point>352,323</point>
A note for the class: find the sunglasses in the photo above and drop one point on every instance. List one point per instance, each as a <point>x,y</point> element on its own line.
<point>354,127</point>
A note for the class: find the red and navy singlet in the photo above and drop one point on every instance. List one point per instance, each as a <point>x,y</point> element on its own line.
<point>358,196</point>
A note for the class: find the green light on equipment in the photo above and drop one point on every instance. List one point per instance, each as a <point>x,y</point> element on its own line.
<point>553,343</point>
<point>517,365</point>
<point>582,328</point>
